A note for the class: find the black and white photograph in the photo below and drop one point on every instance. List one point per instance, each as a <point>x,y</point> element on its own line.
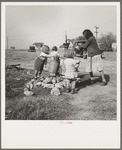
<point>61,67</point>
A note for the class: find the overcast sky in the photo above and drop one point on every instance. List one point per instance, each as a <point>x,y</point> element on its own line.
<point>28,24</point>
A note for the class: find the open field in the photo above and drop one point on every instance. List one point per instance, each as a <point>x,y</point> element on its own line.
<point>92,102</point>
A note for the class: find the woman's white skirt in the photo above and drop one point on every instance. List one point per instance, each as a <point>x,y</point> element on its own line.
<point>94,64</point>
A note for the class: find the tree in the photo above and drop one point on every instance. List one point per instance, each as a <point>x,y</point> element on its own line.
<point>38,44</point>
<point>107,39</point>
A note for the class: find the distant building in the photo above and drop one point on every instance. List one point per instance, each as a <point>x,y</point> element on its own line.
<point>12,47</point>
<point>32,49</point>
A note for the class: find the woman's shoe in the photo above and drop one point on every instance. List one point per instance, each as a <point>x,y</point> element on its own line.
<point>103,83</point>
<point>91,81</point>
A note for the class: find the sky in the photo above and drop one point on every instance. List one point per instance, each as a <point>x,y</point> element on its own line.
<point>26,25</point>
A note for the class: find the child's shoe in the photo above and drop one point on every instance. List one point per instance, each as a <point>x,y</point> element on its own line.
<point>72,91</point>
<point>76,89</point>
<point>68,90</point>
<point>35,78</point>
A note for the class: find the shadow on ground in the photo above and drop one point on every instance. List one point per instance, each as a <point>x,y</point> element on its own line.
<point>85,81</point>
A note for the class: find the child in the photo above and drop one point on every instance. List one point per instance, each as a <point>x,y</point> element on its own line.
<point>94,61</point>
<point>70,73</point>
<point>54,52</point>
<point>61,53</point>
<point>41,60</point>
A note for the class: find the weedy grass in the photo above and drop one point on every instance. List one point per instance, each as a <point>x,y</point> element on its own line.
<point>24,110</point>
<point>41,106</point>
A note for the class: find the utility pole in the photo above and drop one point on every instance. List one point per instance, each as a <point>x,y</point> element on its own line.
<point>96,31</point>
<point>66,44</point>
<point>65,37</point>
<point>7,42</point>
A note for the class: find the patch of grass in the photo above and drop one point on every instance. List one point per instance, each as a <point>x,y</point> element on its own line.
<point>42,106</point>
<point>11,77</point>
<point>39,108</point>
<point>24,110</point>
<point>104,110</point>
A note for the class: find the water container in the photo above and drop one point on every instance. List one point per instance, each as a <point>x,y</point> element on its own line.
<point>53,67</point>
<point>62,68</point>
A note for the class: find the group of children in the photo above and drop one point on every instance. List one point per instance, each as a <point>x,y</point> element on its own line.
<point>94,61</point>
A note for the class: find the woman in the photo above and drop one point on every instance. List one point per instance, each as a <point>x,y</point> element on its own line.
<point>94,61</point>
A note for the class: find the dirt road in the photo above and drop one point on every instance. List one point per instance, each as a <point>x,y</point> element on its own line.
<point>92,102</point>
<point>96,102</point>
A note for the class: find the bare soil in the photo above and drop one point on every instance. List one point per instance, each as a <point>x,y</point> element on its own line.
<point>91,102</point>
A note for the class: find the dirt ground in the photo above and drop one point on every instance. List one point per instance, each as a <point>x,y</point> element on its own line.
<point>91,102</point>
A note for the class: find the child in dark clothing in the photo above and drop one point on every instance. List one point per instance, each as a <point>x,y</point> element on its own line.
<point>94,61</point>
<point>41,60</point>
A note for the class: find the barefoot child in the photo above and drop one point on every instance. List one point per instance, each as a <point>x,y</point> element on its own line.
<point>94,61</point>
<point>70,73</point>
<point>41,60</point>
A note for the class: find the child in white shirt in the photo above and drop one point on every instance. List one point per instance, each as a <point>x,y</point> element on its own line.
<point>70,73</point>
<point>54,52</point>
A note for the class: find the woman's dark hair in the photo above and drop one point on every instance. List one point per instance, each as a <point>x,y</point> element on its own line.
<point>87,33</point>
